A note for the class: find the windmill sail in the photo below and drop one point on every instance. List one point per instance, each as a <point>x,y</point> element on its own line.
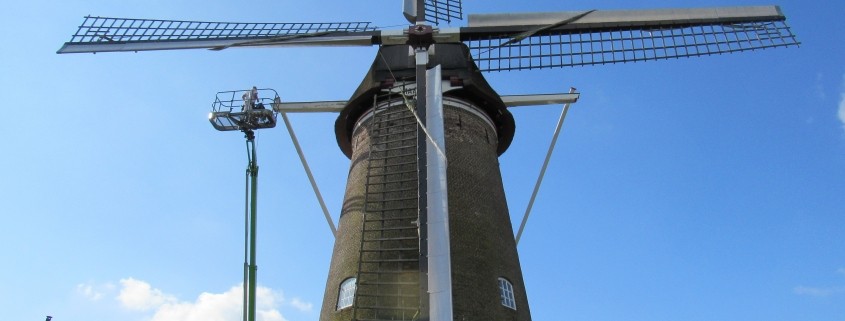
<point>437,11</point>
<point>102,34</point>
<point>434,11</point>
<point>546,40</point>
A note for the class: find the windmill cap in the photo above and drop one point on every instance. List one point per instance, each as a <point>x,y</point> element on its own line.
<point>393,63</point>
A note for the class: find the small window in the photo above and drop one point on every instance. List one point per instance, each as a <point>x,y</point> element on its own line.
<point>347,293</point>
<point>506,293</point>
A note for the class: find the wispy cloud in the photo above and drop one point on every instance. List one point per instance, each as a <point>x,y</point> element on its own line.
<point>818,292</point>
<point>301,305</point>
<point>819,87</point>
<point>94,292</point>
<point>821,291</point>
<point>141,296</point>
<point>841,112</point>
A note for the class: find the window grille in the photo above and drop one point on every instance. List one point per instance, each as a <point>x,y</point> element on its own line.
<point>506,293</point>
<point>347,293</point>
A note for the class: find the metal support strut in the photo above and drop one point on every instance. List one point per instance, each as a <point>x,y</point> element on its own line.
<point>250,227</point>
<point>545,165</point>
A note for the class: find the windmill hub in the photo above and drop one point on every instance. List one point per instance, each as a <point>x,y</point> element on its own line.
<point>420,36</point>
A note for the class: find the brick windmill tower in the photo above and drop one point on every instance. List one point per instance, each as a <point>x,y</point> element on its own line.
<point>424,232</point>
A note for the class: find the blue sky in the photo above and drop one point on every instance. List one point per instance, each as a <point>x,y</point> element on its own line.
<point>691,189</point>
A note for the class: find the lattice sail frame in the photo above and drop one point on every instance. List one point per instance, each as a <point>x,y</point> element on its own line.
<point>564,48</point>
<point>559,39</point>
<point>105,29</point>
<point>497,42</point>
<point>437,11</point>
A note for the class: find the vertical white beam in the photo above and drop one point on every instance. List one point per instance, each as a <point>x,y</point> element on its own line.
<point>439,257</point>
<point>409,9</point>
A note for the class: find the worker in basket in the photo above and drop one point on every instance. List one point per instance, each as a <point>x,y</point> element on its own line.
<point>251,100</point>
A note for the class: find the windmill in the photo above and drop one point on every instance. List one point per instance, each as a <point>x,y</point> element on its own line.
<point>406,247</point>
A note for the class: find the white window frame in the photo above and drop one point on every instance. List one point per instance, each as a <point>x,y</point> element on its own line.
<point>506,293</point>
<point>346,293</point>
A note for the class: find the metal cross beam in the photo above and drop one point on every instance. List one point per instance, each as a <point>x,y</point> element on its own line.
<point>510,101</point>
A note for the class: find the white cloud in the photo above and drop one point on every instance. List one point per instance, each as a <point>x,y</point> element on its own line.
<point>301,305</point>
<point>139,295</point>
<point>226,306</point>
<point>222,307</point>
<point>208,306</point>
<point>269,315</point>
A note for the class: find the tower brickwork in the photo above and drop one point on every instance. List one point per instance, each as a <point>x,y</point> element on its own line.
<point>482,241</point>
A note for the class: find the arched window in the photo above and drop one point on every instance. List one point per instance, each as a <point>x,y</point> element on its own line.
<point>506,293</point>
<point>346,295</point>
